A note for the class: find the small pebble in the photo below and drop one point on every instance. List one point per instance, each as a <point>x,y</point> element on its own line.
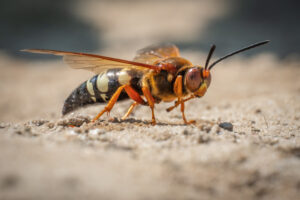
<point>257,111</point>
<point>204,139</point>
<point>226,125</point>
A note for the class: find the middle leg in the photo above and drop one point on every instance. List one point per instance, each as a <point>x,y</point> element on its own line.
<point>150,101</point>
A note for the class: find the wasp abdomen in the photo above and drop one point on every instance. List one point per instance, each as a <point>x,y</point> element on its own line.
<point>98,89</point>
<point>78,98</point>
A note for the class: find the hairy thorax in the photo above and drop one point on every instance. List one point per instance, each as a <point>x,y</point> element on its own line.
<point>161,84</point>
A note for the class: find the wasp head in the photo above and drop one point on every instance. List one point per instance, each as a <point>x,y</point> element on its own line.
<point>197,80</point>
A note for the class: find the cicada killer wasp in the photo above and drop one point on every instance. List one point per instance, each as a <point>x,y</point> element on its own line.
<point>157,73</point>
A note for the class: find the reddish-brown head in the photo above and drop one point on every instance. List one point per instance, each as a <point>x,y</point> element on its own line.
<point>197,79</point>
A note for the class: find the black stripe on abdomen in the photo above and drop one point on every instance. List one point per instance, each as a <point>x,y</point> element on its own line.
<point>105,85</point>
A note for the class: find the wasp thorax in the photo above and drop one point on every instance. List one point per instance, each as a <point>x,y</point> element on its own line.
<point>193,79</point>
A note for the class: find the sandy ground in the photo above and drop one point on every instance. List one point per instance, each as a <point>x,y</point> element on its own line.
<point>41,157</point>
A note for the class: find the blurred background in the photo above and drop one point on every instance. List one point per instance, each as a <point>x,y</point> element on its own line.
<point>118,28</point>
<point>119,25</point>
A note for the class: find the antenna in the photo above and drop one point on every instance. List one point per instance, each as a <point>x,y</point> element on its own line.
<point>238,51</point>
<point>211,51</point>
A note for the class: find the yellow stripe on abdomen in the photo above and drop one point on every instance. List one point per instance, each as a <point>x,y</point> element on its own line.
<point>124,78</point>
<point>102,82</point>
<point>90,89</point>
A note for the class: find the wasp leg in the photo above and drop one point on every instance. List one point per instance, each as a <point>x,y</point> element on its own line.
<point>150,101</point>
<point>111,103</point>
<point>131,93</point>
<point>133,105</point>
<point>178,103</point>
<point>178,92</point>
<point>183,116</point>
<point>136,97</point>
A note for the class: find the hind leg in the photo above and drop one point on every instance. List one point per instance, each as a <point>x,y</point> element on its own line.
<point>111,103</point>
<point>132,106</point>
<point>131,93</point>
<point>136,97</point>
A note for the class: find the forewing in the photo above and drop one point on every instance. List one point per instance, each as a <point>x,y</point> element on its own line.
<point>154,53</point>
<point>94,63</point>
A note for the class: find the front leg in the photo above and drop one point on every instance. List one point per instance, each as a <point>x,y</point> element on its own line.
<point>178,91</point>
<point>178,103</point>
<point>183,116</point>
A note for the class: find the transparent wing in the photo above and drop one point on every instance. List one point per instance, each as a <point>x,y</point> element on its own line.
<point>154,53</point>
<point>94,63</point>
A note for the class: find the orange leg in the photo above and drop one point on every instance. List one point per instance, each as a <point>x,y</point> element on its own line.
<point>177,103</point>
<point>151,102</point>
<point>183,116</point>
<point>131,93</point>
<point>133,105</point>
<point>136,97</point>
<point>111,103</point>
<point>178,91</point>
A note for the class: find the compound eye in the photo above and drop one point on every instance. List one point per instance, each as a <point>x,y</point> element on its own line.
<point>193,79</point>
